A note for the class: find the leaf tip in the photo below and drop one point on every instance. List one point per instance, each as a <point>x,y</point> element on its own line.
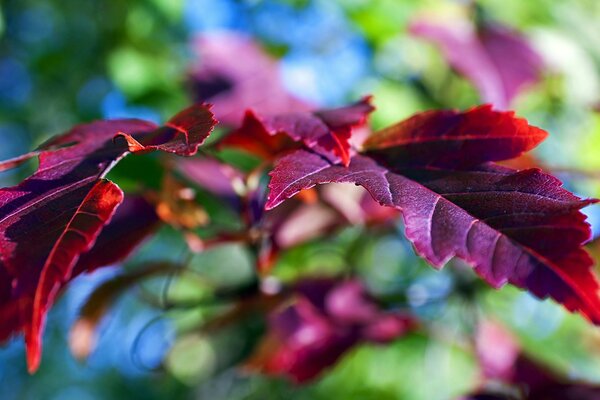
<point>34,352</point>
<point>132,144</point>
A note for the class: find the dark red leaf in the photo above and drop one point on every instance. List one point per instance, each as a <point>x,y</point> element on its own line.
<point>454,139</point>
<point>513,227</point>
<point>51,218</point>
<point>498,61</point>
<point>63,152</point>
<point>326,132</point>
<point>254,138</point>
<point>39,249</point>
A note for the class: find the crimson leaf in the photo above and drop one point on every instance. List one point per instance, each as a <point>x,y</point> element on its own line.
<point>518,227</point>
<point>182,134</point>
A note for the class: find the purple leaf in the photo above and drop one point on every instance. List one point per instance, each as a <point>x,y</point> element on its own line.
<point>499,62</point>
<point>513,227</point>
<point>234,73</point>
<point>503,361</point>
<point>216,177</point>
<point>326,319</point>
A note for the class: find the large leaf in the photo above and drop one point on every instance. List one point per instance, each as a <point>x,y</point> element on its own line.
<point>498,61</point>
<point>76,237</point>
<point>518,227</point>
<point>51,218</point>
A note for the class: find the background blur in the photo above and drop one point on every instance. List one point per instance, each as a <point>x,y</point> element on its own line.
<point>69,61</point>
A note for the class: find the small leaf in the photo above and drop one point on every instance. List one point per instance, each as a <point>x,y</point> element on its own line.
<point>177,206</point>
<point>181,135</point>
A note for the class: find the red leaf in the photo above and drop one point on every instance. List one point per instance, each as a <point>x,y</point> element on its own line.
<point>498,61</point>
<point>517,227</point>
<point>50,219</point>
<point>454,139</point>
<point>77,236</point>
<point>254,137</point>
<point>182,134</point>
<point>326,132</point>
